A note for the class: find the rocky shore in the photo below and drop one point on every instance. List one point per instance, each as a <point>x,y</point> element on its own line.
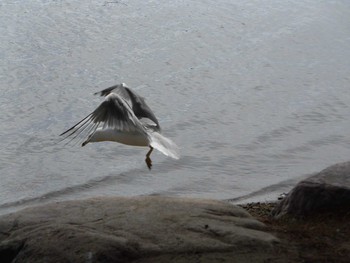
<point>139,229</point>
<point>311,224</point>
<point>322,237</point>
<point>314,217</point>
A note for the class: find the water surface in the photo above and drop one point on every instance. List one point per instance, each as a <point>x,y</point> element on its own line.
<point>254,92</point>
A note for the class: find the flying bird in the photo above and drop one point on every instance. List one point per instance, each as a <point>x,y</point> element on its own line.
<point>123,117</point>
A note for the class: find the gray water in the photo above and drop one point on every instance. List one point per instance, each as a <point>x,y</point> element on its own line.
<point>255,93</point>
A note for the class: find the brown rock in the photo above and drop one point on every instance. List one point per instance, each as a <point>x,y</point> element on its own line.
<point>324,191</point>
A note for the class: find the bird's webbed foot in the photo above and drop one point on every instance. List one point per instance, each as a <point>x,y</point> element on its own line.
<point>148,158</point>
<point>148,162</point>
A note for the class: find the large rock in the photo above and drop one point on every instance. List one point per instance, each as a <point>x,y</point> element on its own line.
<point>324,191</point>
<point>140,229</point>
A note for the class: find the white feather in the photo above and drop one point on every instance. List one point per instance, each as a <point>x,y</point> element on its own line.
<point>164,145</point>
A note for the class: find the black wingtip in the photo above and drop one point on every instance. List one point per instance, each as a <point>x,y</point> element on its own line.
<point>63,133</point>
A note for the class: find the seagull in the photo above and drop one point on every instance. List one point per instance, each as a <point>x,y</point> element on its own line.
<point>123,117</point>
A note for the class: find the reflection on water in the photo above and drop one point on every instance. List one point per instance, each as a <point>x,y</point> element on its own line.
<point>253,93</point>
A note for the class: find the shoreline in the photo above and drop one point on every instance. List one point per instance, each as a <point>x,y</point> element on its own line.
<point>322,237</point>
<point>319,237</point>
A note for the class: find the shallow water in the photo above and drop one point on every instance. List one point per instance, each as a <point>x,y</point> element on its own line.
<point>254,93</point>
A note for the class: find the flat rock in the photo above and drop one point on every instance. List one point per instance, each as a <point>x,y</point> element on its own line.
<point>324,191</point>
<point>138,229</point>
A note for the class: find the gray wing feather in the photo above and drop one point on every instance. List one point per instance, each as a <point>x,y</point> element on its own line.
<point>112,113</point>
<point>135,101</point>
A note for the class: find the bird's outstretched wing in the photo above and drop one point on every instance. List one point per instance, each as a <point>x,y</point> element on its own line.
<point>113,112</point>
<point>137,103</point>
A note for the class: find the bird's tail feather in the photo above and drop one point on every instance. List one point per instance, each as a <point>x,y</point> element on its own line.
<point>164,145</point>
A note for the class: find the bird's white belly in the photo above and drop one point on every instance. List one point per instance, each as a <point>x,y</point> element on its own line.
<point>129,138</point>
